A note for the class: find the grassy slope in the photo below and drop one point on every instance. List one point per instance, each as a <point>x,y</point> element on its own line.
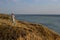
<point>24,30</point>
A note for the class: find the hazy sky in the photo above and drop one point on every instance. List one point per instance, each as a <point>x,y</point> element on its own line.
<point>30,6</point>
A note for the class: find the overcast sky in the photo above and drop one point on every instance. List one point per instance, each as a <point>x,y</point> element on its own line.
<point>30,6</point>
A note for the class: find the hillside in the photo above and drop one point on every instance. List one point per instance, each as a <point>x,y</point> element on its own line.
<point>24,30</point>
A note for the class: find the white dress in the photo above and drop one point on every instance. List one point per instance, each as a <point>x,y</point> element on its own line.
<point>13,19</point>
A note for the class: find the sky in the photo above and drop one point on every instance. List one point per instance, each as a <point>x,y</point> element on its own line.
<point>30,6</point>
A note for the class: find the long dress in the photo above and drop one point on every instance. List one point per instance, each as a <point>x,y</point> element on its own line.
<point>13,19</point>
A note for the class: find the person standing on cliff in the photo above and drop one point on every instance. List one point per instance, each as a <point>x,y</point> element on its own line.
<point>13,18</point>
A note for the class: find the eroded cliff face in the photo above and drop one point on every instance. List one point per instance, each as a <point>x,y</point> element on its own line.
<point>24,30</point>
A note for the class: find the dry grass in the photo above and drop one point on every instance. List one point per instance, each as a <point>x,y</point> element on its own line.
<point>24,30</point>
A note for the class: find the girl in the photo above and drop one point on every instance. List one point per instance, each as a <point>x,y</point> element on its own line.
<point>13,18</point>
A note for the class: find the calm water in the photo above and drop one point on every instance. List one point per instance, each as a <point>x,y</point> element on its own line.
<point>51,21</point>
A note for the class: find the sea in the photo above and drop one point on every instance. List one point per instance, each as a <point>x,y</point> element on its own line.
<point>50,21</point>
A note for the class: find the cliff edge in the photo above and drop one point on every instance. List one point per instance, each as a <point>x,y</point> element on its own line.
<point>24,30</point>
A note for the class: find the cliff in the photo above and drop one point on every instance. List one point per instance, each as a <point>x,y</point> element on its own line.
<point>24,30</point>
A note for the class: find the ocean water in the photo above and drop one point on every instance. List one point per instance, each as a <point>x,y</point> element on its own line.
<point>51,21</point>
